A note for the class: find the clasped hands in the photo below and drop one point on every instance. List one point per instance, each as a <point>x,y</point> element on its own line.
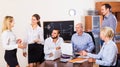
<point>84,53</point>
<point>20,44</point>
<point>57,48</point>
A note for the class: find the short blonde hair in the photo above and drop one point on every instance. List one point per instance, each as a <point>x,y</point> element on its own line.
<point>6,23</point>
<point>107,32</point>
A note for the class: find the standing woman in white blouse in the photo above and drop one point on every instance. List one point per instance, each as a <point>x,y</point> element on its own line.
<point>9,42</point>
<point>35,42</point>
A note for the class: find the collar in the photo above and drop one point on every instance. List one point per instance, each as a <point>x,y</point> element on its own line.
<point>108,15</point>
<point>35,28</point>
<point>79,35</point>
<point>8,30</point>
<point>108,42</point>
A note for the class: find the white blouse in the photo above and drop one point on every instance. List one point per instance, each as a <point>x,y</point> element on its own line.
<point>9,40</point>
<point>33,34</point>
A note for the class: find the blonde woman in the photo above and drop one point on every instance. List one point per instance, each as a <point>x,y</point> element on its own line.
<point>9,42</point>
<point>107,56</point>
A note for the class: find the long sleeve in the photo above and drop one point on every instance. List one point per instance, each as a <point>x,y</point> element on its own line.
<point>50,47</point>
<point>90,44</point>
<point>8,42</point>
<point>82,42</point>
<point>73,45</point>
<point>41,36</point>
<point>107,55</point>
<point>110,57</point>
<point>96,56</point>
<point>110,21</point>
<point>47,49</point>
<point>113,23</point>
<point>33,34</point>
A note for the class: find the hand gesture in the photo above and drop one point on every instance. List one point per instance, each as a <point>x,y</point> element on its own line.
<point>21,46</point>
<point>18,41</point>
<point>51,54</point>
<point>24,54</point>
<point>92,60</point>
<point>80,53</point>
<point>57,48</point>
<point>36,40</point>
<point>84,53</point>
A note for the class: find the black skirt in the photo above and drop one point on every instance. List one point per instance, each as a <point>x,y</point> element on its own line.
<point>35,53</point>
<point>11,57</point>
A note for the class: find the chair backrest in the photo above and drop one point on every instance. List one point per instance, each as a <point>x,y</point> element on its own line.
<point>118,61</point>
<point>91,34</point>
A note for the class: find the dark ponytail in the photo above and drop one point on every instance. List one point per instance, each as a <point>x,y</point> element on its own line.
<point>38,18</point>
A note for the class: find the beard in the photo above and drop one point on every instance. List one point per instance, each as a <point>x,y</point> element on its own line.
<point>55,37</point>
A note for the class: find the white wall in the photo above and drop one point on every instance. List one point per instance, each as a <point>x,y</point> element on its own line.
<point>108,0</point>
<point>49,10</point>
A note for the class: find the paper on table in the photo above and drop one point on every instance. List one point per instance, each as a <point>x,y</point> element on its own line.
<point>66,48</point>
<point>83,57</point>
<point>78,60</point>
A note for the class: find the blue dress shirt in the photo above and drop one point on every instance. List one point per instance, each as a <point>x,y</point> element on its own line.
<point>110,21</point>
<point>107,55</point>
<point>83,42</point>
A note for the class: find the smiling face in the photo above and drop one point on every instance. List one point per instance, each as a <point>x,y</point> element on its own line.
<point>34,20</point>
<point>79,28</point>
<point>12,24</point>
<point>9,22</point>
<point>55,34</point>
<point>104,10</point>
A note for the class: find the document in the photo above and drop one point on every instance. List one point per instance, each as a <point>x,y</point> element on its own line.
<point>66,48</point>
<point>78,60</point>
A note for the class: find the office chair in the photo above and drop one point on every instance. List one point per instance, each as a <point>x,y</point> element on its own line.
<point>91,34</point>
<point>118,60</point>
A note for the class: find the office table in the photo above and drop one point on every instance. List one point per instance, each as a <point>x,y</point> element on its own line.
<point>58,63</point>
